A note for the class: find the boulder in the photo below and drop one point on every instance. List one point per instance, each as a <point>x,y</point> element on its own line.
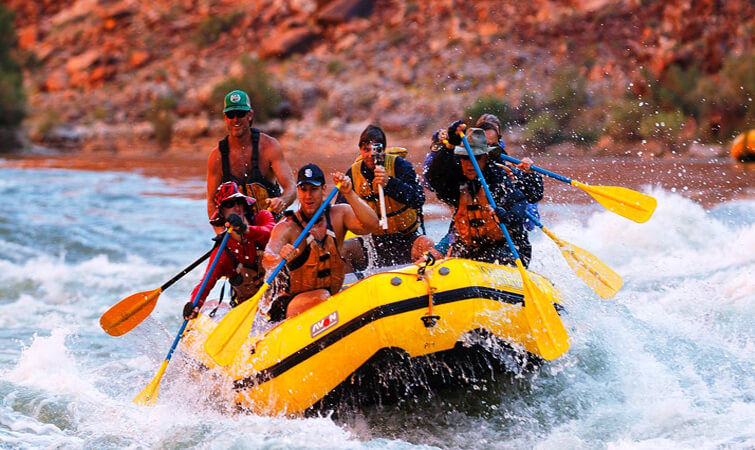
<point>137,58</point>
<point>57,80</point>
<point>284,43</point>
<point>83,61</point>
<point>393,122</point>
<point>340,11</point>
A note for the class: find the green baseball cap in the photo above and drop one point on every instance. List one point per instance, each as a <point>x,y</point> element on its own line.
<point>236,101</point>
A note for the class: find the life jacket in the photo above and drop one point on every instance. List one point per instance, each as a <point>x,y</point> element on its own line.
<point>474,223</point>
<point>401,218</point>
<point>248,278</point>
<point>253,184</point>
<point>318,265</point>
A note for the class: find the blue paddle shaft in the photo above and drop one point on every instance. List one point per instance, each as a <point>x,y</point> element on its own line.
<point>303,234</point>
<point>488,194</point>
<point>195,301</point>
<point>538,169</point>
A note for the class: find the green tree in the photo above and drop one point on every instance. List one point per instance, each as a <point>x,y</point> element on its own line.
<point>12,96</point>
<point>255,81</point>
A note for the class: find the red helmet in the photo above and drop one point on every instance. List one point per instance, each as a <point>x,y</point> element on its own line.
<point>227,191</point>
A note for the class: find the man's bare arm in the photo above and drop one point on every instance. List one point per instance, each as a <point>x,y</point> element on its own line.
<point>214,178</point>
<point>280,236</point>
<point>282,171</point>
<point>358,217</point>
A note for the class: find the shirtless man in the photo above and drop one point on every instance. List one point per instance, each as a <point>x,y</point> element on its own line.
<point>252,159</point>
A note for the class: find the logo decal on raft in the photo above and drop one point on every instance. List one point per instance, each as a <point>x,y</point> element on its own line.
<point>324,324</point>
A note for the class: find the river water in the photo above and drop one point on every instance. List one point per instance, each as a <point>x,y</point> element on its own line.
<point>668,363</point>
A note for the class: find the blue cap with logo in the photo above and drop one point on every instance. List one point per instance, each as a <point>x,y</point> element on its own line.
<point>310,174</point>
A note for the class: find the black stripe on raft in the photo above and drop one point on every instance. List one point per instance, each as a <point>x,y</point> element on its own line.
<point>358,322</point>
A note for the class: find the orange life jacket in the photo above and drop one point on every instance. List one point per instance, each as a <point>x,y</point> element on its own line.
<point>401,218</point>
<point>318,265</point>
<point>474,223</point>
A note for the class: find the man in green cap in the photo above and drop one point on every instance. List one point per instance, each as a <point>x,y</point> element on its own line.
<point>252,159</point>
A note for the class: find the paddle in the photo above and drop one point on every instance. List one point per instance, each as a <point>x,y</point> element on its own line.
<point>548,331</point>
<point>601,278</point>
<point>378,158</point>
<point>125,315</point>
<point>625,202</point>
<point>228,337</point>
<point>148,396</point>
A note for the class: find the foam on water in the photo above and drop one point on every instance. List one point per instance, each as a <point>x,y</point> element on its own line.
<point>668,363</point>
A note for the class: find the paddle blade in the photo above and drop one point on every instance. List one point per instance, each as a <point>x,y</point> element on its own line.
<point>547,329</point>
<point>148,396</point>
<point>601,278</point>
<point>625,202</point>
<point>129,312</point>
<point>228,337</point>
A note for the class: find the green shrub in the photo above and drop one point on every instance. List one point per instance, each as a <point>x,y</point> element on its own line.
<point>50,120</point>
<point>664,126</point>
<point>162,117</point>
<point>256,82</point>
<point>568,91</point>
<point>12,95</point>
<point>211,27</point>
<point>726,106</point>
<point>334,66</point>
<point>543,130</point>
<point>624,119</point>
<point>490,105</point>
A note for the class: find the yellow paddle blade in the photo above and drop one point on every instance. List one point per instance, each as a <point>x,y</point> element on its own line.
<point>625,202</point>
<point>545,324</point>
<point>148,396</point>
<point>601,278</point>
<point>228,337</point>
<point>129,312</point>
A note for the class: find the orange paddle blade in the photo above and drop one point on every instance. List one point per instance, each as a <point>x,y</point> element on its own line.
<point>129,312</point>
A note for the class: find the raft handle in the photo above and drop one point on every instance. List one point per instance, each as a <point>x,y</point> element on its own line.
<point>430,321</point>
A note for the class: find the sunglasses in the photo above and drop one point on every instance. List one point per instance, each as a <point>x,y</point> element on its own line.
<point>236,114</point>
<point>233,202</point>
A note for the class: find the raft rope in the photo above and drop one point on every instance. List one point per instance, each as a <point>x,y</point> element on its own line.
<point>220,300</point>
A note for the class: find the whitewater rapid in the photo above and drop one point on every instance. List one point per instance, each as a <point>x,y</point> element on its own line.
<point>668,363</point>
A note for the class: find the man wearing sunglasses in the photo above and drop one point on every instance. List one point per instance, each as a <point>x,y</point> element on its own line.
<point>474,233</point>
<point>241,260</point>
<point>251,159</point>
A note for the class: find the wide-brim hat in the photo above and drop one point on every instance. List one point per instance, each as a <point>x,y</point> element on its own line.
<point>236,101</point>
<point>478,142</point>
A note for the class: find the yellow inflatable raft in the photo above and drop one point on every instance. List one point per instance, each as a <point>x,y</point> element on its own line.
<point>300,361</point>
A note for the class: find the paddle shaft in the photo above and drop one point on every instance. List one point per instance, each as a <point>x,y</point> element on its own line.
<point>188,269</point>
<point>195,301</point>
<point>304,233</point>
<point>538,169</point>
<point>488,194</point>
<point>383,215</point>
